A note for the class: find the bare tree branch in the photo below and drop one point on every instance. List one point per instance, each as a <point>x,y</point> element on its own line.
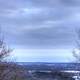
<point>4,50</point>
<point>76,52</point>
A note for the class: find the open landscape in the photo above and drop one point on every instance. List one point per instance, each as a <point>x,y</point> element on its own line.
<point>53,71</point>
<point>40,71</point>
<point>39,40</point>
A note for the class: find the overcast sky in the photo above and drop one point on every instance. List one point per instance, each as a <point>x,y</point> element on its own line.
<point>36,28</point>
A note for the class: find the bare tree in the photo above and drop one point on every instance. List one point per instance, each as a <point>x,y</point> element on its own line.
<point>9,71</point>
<point>76,51</point>
<point>4,50</point>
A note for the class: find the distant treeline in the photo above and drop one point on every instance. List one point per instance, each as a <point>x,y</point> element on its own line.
<point>51,66</point>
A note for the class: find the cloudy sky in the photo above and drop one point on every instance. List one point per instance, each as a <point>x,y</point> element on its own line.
<point>40,30</point>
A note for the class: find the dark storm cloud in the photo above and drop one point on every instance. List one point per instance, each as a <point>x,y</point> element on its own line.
<point>40,23</point>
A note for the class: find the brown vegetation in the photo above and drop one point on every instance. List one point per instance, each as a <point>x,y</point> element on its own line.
<point>12,71</point>
<point>9,71</point>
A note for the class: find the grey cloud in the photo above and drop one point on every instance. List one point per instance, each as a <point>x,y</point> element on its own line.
<point>41,23</point>
<point>47,38</point>
<point>71,2</point>
<point>57,3</point>
<point>36,19</point>
<point>20,18</point>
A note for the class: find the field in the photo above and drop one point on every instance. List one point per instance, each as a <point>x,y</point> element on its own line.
<point>39,71</point>
<point>53,71</point>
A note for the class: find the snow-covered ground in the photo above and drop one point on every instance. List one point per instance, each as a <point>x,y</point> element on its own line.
<point>76,74</point>
<point>71,71</point>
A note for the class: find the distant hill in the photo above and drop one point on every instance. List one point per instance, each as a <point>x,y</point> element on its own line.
<point>50,66</point>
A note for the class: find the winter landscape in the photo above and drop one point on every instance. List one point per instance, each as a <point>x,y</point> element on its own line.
<point>40,71</point>
<point>39,39</point>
